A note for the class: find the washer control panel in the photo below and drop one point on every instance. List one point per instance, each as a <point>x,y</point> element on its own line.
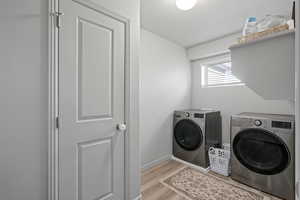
<point>189,115</point>
<point>198,115</point>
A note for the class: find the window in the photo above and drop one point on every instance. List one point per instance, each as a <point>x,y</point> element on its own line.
<point>219,74</point>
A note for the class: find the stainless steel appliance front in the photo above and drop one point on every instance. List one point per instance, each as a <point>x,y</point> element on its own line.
<point>193,133</point>
<point>262,152</point>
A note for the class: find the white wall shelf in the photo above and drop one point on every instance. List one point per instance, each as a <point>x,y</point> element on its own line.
<point>267,65</point>
<point>269,37</point>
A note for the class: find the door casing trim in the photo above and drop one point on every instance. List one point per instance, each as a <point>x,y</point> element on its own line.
<point>53,168</point>
<point>131,98</point>
<point>297,100</point>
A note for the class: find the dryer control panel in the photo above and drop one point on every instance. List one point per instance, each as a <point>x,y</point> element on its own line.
<point>281,124</point>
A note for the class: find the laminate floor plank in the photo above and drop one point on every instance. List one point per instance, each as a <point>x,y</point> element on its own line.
<point>151,187</point>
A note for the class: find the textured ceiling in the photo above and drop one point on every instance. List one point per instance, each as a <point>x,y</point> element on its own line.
<point>209,19</point>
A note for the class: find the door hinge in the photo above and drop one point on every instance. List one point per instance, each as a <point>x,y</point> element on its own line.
<point>57,16</point>
<point>57,122</point>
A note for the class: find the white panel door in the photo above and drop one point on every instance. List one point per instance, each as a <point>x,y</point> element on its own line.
<point>91,103</point>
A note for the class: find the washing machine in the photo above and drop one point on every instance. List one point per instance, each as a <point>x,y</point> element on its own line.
<point>194,131</point>
<point>263,152</point>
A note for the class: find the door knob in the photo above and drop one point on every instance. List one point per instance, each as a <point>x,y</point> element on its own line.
<point>121,127</point>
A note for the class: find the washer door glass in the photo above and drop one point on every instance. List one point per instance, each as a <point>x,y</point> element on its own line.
<point>188,135</point>
<point>261,151</point>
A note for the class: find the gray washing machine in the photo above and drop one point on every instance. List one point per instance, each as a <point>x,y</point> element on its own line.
<point>194,131</point>
<point>263,152</point>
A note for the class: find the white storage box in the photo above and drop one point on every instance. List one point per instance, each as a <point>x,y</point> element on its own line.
<point>219,161</point>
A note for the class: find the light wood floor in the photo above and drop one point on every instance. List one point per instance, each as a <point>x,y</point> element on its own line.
<point>152,189</point>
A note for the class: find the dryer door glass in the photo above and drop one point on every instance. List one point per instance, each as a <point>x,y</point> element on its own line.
<point>188,135</point>
<point>261,151</point>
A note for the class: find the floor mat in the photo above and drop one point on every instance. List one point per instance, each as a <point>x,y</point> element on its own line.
<point>195,185</point>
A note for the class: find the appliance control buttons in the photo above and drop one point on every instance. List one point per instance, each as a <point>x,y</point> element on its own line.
<point>257,123</point>
<point>187,114</point>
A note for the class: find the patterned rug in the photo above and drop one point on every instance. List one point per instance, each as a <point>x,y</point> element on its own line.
<point>195,185</point>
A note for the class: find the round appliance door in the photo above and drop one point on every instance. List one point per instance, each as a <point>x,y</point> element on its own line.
<point>188,135</point>
<point>261,151</point>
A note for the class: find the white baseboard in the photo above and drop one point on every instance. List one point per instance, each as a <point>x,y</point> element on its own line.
<point>191,165</point>
<point>138,197</point>
<point>156,162</point>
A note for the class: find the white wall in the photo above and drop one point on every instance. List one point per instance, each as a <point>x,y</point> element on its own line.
<point>272,57</point>
<point>164,87</point>
<point>233,100</point>
<point>212,47</point>
<point>23,104</point>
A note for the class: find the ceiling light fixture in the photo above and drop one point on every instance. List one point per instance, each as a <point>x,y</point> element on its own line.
<point>185,4</point>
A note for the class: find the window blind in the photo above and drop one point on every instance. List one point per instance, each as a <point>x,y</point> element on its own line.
<point>218,75</point>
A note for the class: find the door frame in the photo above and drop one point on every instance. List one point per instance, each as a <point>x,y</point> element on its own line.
<point>297,100</point>
<point>131,102</point>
